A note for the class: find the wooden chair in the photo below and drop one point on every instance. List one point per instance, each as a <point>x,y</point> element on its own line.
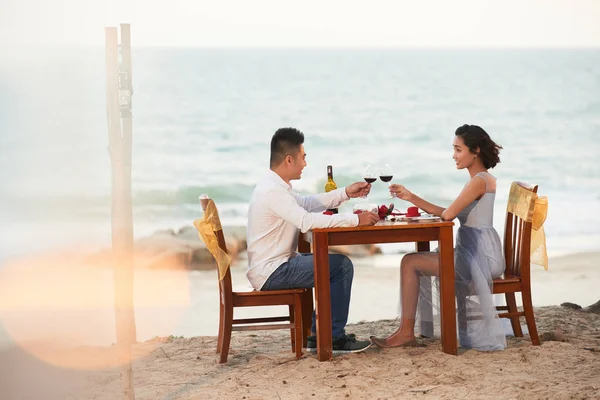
<point>299,302</point>
<point>517,278</point>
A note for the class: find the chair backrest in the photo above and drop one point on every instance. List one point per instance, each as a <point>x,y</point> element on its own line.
<point>225,285</point>
<point>517,236</point>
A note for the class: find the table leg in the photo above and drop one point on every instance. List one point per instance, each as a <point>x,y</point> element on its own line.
<point>322,296</point>
<point>425,299</point>
<point>447,296</point>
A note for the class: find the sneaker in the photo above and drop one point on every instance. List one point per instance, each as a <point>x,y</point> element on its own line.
<point>342,344</point>
<point>311,344</point>
<point>349,344</point>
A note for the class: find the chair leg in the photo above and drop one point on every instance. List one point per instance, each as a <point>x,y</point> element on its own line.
<point>227,327</point>
<point>292,321</point>
<point>307,310</point>
<point>220,337</point>
<point>528,308</point>
<point>461,305</point>
<point>425,304</point>
<point>298,326</point>
<point>511,302</point>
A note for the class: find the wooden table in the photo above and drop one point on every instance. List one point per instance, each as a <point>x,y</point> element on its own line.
<point>422,233</point>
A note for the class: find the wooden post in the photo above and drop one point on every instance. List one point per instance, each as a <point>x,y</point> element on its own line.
<point>118,106</point>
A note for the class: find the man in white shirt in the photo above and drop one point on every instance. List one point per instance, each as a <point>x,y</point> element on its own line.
<point>275,216</point>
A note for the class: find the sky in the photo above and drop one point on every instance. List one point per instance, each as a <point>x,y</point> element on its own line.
<point>307,23</point>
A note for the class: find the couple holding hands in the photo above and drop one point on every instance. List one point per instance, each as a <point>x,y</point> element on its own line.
<point>277,213</point>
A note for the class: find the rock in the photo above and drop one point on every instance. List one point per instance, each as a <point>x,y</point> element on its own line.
<point>357,250</point>
<point>235,237</point>
<point>167,249</point>
<point>594,308</point>
<point>186,232</point>
<point>555,336</point>
<point>183,249</point>
<point>165,232</point>
<point>572,306</point>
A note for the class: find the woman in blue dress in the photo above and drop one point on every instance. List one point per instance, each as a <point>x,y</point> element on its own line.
<point>478,255</point>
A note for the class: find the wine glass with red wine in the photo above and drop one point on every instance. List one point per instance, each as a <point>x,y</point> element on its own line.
<point>370,175</point>
<point>386,175</point>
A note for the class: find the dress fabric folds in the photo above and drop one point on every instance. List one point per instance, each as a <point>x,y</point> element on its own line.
<point>478,259</point>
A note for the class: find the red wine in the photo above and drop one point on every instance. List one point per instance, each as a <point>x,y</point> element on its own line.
<point>386,178</point>
<point>370,180</point>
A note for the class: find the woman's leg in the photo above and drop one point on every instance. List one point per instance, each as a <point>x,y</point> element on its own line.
<point>412,267</point>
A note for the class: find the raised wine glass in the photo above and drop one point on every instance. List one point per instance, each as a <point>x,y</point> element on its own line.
<point>386,175</point>
<point>370,175</point>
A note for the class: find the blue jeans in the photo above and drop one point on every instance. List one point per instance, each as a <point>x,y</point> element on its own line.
<point>298,272</point>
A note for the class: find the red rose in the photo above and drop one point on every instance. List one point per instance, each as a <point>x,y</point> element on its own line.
<point>384,210</point>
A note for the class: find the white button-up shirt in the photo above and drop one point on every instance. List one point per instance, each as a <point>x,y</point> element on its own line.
<point>276,214</point>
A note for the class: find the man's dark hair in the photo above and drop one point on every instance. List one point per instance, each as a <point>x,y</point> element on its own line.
<point>474,137</point>
<point>286,141</point>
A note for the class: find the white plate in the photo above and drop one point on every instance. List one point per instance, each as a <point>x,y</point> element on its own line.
<point>396,218</point>
<point>424,218</point>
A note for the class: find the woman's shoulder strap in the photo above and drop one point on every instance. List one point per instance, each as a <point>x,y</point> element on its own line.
<point>482,175</point>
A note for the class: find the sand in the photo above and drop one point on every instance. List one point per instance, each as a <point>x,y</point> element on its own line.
<point>261,364</point>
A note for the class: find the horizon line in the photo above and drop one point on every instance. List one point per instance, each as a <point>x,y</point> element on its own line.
<point>305,47</point>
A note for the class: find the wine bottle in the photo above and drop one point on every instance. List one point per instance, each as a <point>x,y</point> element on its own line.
<point>330,185</point>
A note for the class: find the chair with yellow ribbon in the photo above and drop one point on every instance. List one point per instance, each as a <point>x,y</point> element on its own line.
<point>524,244</point>
<point>299,301</point>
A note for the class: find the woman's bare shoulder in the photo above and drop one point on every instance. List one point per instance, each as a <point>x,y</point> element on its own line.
<point>488,179</point>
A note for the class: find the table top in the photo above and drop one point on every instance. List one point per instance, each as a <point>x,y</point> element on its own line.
<point>387,225</point>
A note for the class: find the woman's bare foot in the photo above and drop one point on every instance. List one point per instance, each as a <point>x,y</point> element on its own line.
<point>395,340</point>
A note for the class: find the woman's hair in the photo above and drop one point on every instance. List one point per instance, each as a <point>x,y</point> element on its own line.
<point>475,137</point>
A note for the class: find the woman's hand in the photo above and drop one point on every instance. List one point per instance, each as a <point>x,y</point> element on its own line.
<point>401,192</point>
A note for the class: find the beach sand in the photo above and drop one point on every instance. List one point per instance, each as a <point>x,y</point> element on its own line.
<point>262,366</point>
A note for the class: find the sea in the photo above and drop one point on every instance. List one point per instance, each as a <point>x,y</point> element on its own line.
<point>203,120</point>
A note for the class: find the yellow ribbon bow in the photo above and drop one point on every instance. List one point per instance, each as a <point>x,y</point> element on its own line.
<point>207,226</point>
<point>532,208</point>
<point>539,254</point>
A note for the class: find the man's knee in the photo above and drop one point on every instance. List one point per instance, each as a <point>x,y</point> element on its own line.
<point>343,265</point>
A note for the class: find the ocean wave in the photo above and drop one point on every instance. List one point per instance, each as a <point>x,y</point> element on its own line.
<point>148,202</point>
<point>189,195</point>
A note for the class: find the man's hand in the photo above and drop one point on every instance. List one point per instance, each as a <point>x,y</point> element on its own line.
<point>367,218</point>
<point>358,189</point>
